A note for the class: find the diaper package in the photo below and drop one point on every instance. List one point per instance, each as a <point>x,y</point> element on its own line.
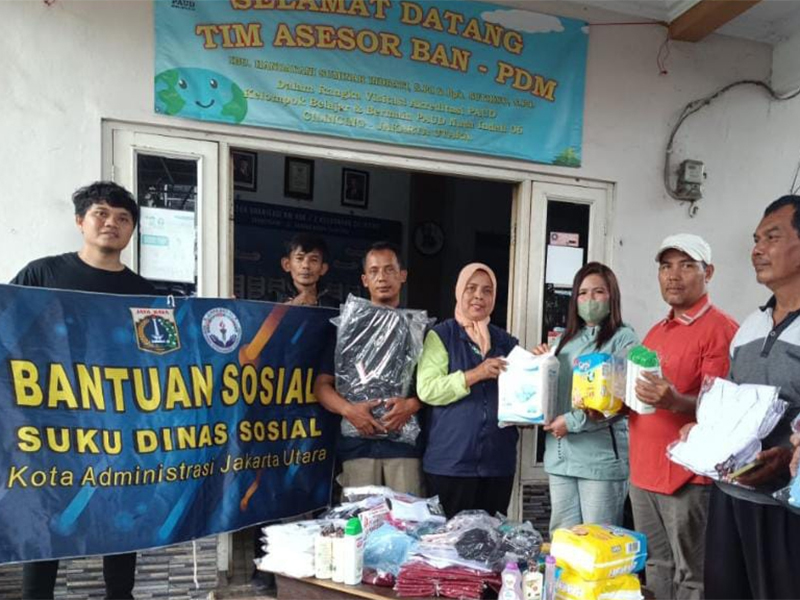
<point>593,385</point>
<point>570,586</point>
<point>596,552</point>
<point>640,359</point>
<point>527,389</point>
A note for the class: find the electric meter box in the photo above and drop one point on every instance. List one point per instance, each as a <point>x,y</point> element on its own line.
<point>692,171</point>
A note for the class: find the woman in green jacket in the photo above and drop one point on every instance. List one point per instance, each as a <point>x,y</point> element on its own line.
<point>586,456</point>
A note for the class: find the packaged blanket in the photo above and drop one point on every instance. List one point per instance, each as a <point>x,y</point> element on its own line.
<point>528,389</point>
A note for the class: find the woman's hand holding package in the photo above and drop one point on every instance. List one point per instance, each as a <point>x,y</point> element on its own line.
<point>541,349</point>
<point>594,415</point>
<point>400,410</point>
<point>360,415</point>
<point>558,427</point>
<point>488,369</point>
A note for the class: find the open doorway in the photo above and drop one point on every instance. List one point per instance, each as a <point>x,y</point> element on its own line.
<point>440,223</point>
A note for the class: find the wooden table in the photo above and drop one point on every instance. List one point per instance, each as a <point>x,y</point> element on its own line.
<point>325,589</point>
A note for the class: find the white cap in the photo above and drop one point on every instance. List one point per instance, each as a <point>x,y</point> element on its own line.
<point>691,244</point>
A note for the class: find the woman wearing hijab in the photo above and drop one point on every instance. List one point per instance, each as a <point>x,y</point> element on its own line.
<point>469,462</point>
<point>586,459</point>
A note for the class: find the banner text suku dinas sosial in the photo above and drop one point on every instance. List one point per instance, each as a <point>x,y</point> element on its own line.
<point>464,76</point>
<point>127,423</point>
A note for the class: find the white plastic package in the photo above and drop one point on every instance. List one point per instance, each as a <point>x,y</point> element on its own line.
<point>790,495</point>
<point>528,389</point>
<point>731,422</point>
<point>639,360</point>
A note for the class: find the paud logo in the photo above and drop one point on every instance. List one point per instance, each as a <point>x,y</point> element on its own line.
<point>156,330</point>
<point>184,4</point>
<point>222,330</point>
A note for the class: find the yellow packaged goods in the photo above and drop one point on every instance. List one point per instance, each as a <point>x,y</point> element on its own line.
<point>571,586</point>
<point>592,384</point>
<point>598,552</point>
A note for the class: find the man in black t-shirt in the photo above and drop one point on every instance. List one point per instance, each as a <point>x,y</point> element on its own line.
<point>106,214</point>
<point>306,263</point>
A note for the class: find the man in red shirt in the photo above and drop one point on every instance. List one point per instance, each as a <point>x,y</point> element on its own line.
<point>670,503</point>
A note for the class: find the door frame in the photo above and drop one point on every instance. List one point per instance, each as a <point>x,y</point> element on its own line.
<point>127,144</point>
<point>600,201</point>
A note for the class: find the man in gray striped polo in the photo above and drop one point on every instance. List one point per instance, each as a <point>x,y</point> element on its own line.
<point>752,542</point>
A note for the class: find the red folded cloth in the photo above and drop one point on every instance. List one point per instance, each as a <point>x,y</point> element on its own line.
<point>418,578</point>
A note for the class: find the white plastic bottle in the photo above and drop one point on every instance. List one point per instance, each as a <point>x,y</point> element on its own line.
<point>550,577</point>
<point>533,583</point>
<point>323,557</point>
<point>512,583</point>
<point>337,566</point>
<point>353,552</point>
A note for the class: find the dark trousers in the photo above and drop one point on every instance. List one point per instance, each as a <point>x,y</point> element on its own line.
<point>491,494</point>
<point>119,572</point>
<point>752,550</point>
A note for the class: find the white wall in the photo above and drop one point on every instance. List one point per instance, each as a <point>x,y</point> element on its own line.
<point>67,66</point>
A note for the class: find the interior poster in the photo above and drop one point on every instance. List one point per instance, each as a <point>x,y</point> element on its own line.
<point>261,233</point>
<point>129,422</point>
<point>464,76</point>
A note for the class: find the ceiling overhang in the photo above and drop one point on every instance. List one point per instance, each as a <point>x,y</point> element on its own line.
<point>705,17</point>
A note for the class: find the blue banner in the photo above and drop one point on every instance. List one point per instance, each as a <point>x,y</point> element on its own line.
<point>464,76</point>
<point>126,423</point>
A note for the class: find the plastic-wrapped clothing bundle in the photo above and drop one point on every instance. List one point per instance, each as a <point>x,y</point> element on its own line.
<point>474,539</point>
<point>361,492</point>
<point>467,519</point>
<point>379,578</point>
<point>527,389</point>
<point>401,508</point>
<point>570,586</point>
<point>347,510</point>
<point>387,549</point>
<point>289,548</point>
<point>520,542</point>
<point>596,552</point>
<point>790,495</point>
<point>593,385</point>
<point>418,578</point>
<point>377,349</point>
<point>731,422</point>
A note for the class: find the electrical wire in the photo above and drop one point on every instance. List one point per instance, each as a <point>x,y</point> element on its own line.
<point>663,56</point>
<point>794,188</point>
<point>697,105</point>
<point>663,51</point>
